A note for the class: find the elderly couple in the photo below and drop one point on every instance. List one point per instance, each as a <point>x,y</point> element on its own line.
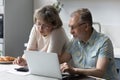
<point>91,52</point>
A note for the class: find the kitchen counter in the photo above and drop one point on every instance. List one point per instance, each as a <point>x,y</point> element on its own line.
<point>117,52</point>
<point>7,72</point>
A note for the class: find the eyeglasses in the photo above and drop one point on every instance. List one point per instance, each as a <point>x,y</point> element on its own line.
<point>75,26</point>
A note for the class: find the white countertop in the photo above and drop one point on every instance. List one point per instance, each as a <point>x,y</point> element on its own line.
<point>117,52</point>
<point>6,74</point>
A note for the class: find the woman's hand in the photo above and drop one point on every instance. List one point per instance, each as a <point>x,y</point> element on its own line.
<point>20,61</point>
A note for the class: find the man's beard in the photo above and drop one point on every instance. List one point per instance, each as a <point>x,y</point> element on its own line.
<point>77,38</point>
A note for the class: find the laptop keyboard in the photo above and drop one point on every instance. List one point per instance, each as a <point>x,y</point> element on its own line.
<point>65,74</point>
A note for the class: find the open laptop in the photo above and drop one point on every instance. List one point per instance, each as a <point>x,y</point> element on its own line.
<point>43,64</point>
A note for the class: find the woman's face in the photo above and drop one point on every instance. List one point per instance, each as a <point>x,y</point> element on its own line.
<point>44,28</point>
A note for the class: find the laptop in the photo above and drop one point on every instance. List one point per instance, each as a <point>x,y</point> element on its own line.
<point>43,64</point>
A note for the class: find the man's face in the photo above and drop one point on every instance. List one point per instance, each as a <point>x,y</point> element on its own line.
<point>77,28</point>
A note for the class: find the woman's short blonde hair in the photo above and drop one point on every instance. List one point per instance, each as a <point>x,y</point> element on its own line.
<point>48,14</point>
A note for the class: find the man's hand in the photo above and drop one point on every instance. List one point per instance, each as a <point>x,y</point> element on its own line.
<point>65,67</point>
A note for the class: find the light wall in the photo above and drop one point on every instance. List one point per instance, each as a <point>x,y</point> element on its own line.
<point>106,12</point>
<point>40,3</point>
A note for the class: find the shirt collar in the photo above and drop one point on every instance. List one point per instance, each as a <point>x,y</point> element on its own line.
<point>92,38</point>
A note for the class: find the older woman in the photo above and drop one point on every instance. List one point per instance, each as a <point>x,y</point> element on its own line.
<point>47,33</point>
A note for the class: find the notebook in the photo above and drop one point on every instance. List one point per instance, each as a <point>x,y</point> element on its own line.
<point>43,64</point>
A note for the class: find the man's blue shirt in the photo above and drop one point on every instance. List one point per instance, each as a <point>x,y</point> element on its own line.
<point>85,55</point>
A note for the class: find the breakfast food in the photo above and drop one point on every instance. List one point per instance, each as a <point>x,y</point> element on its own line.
<point>6,58</point>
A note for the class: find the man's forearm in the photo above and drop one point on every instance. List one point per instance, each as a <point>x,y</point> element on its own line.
<point>90,72</point>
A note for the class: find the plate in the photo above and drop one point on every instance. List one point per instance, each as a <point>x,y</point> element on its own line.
<point>6,62</point>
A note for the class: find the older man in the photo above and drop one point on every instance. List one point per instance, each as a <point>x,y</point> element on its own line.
<point>92,52</point>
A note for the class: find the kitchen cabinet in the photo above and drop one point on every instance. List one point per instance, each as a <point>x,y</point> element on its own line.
<point>117,62</point>
<point>18,21</point>
<point>117,59</point>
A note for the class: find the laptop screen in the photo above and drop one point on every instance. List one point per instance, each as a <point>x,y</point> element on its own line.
<point>43,64</point>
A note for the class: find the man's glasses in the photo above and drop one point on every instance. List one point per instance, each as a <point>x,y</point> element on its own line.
<point>75,26</point>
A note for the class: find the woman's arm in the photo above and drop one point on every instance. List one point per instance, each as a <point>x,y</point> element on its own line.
<point>32,42</point>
